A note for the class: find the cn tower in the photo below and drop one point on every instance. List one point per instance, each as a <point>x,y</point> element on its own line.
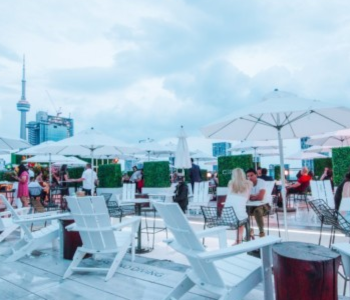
<point>23,106</point>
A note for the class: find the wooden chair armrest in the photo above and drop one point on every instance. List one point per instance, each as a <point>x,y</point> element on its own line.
<point>239,249</point>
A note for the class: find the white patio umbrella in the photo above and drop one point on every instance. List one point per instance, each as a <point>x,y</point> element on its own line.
<point>182,154</point>
<point>280,115</point>
<point>152,148</point>
<point>254,146</point>
<point>89,142</point>
<point>199,155</point>
<point>46,156</point>
<point>71,161</point>
<point>300,155</point>
<point>57,159</point>
<point>338,138</point>
<point>319,149</point>
<point>7,143</point>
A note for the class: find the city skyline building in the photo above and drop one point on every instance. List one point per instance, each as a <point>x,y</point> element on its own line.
<point>23,106</point>
<point>221,149</point>
<point>49,128</point>
<point>309,163</point>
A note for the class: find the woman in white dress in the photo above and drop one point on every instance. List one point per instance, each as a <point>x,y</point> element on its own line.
<point>238,194</point>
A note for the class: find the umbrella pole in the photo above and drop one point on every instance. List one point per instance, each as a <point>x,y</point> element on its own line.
<point>283,188</point>
<point>256,163</point>
<point>92,169</point>
<point>50,170</point>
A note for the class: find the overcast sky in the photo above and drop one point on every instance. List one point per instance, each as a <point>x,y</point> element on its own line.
<point>141,68</point>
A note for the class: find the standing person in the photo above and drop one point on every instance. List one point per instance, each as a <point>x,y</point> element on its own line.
<point>181,193</point>
<point>257,193</point>
<point>241,187</point>
<point>63,180</point>
<point>328,175</point>
<point>339,192</point>
<point>195,174</point>
<point>23,180</point>
<point>89,179</point>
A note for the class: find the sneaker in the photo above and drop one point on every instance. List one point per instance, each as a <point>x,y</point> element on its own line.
<point>261,234</point>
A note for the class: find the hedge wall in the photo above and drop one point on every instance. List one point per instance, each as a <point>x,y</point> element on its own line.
<point>320,164</point>
<point>277,172</point>
<point>156,174</point>
<point>341,163</point>
<point>110,176</point>
<point>227,163</point>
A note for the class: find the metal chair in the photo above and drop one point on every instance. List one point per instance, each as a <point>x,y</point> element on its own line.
<point>331,217</point>
<point>227,217</point>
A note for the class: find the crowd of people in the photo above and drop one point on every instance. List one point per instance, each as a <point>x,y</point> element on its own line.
<point>244,186</point>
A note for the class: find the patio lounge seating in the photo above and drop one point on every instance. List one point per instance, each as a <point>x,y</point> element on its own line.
<point>98,235</point>
<point>32,240</point>
<point>6,224</point>
<point>228,272</point>
<point>200,196</point>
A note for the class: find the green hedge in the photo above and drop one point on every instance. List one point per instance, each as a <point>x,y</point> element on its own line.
<point>110,176</point>
<point>227,163</point>
<point>341,163</point>
<point>7,176</point>
<point>320,164</point>
<point>277,172</point>
<point>156,174</point>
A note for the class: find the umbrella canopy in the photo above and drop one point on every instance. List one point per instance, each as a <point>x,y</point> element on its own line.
<point>152,148</point>
<point>280,115</point>
<point>338,138</point>
<point>33,150</point>
<point>12,144</point>
<point>261,152</point>
<point>71,161</point>
<point>199,155</point>
<point>300,155</point>
<point>211,163</point>
<point>57,159</point>
<point>319,149</point>
<point>182,154</point>
<point>88,142</point>
<point>254,146</point>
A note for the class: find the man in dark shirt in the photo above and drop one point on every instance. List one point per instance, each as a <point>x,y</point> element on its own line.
<point>195,174</point>
<point>264,175</point>
<point>181,193</point>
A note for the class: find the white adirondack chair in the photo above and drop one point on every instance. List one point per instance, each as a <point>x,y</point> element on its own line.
<point>322,189</point>
<point>228,272</point>
<point>98,235</point>
<point>7,226</point>
<point>344,250</point>
<point>32,240</point>
<point>200,196</point>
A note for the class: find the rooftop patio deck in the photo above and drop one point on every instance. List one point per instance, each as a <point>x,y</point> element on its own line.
<point>151,276</point>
